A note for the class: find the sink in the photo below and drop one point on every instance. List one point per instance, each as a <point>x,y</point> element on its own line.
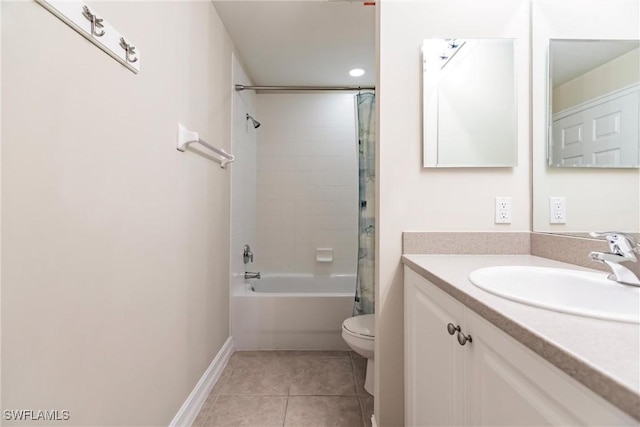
<point>575,292</point>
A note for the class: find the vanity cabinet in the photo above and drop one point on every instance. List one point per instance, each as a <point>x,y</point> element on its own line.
<point>434,380</point>
<point>491,379</point>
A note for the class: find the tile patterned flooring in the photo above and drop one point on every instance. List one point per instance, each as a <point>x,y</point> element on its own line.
<point>290,388</point>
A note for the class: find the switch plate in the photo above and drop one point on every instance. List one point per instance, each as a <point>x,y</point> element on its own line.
<point>557,210</point>
<point>503,210</point>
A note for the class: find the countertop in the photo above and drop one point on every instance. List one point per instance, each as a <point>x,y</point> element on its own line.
<point>602,355</point>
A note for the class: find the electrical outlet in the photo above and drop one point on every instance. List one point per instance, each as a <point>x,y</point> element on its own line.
<point>557,210</point>
<point>503,210</point>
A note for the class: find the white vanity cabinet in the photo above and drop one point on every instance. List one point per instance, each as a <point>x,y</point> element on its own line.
<point>490,380</point>
<point>434,377</point>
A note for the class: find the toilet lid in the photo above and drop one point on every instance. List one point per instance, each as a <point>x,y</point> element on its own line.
<point>361,325</point>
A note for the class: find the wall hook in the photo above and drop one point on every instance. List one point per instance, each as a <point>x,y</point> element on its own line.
<point>129,49</point>
<point>95,22</point>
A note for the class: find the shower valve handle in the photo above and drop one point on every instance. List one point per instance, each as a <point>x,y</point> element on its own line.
<point>247,255</point>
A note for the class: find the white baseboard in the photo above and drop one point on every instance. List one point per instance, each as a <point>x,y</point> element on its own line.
<point>373,421</point>
<point>190,408</point>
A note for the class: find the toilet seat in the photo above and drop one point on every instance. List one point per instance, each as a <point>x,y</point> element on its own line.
<point>362,327</point>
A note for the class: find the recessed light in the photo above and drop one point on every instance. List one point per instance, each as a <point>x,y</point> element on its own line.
<point>356,72</point>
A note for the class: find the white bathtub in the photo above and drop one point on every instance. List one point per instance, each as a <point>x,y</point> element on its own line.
<point>292,312</point>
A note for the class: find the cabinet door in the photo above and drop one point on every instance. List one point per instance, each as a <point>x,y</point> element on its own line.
<point>512,386</point>
<point>434,389</point>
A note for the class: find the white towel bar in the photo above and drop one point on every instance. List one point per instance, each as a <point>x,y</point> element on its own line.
<point>186,137</point>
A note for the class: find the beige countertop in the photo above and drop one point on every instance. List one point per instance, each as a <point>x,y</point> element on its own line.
<point>603,355</point>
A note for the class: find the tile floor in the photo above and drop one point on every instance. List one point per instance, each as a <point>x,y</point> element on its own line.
<point>290,388</point>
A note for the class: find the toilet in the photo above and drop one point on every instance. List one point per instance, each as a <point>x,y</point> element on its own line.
<point>359,333</point>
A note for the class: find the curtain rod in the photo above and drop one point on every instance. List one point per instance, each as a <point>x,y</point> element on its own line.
<point>303,88</point>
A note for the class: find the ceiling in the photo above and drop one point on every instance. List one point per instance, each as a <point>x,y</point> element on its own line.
<point>573,58</point>
<point>302,43</point>
<point>317,42</point>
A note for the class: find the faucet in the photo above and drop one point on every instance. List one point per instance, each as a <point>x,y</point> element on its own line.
<point>251,275</point>
<point>247,255</point>
<point>623,248</point>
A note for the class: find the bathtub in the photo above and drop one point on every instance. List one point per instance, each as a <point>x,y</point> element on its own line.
<point>292,312</point>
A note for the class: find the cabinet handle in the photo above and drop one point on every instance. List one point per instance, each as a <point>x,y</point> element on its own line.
<point>452,329</point>
<point>462,339</point>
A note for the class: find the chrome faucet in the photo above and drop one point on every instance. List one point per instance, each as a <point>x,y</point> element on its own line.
<point>247,255</point>
<point>623,248</point>
<point>251,275</point>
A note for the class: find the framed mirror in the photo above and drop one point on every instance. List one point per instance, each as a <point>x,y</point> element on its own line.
<point>594,88</point>
<point>469,103</point>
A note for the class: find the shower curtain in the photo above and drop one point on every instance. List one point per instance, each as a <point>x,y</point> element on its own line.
<point>364,300</point>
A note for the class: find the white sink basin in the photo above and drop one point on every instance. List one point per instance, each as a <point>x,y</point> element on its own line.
<point>568,291</point>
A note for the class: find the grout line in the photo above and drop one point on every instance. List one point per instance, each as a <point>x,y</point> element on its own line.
<point>286,408</point>
<point>355,380</point>
<point>364,424</point>
<point>325,395</point>
<point>231,370</point>
<point>223,385</point>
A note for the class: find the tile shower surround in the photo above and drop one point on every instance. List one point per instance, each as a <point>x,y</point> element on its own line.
<point>307,183</point>
<point>290,388</point>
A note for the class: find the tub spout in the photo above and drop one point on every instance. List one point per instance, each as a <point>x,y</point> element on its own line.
<point>251,275</point>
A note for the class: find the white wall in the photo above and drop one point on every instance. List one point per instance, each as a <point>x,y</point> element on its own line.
<point>115,261</point>
<point>307,183</point>
<point>1,331</point>
<point>244,139</point>
<point>411,198</point>
<point>596,200</point>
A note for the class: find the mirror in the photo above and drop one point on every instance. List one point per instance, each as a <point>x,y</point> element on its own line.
<point>469,103</point>
<point>593,103</point>
<point>601,191</point>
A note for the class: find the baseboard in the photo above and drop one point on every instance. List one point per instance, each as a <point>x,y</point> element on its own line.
<point>190,408</point>
<point>373,421</point>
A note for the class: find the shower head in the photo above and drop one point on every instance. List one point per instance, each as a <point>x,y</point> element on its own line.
<point>256,124</point>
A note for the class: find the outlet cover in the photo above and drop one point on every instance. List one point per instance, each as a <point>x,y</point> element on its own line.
<point>503,210</point>
<point>557,210</point>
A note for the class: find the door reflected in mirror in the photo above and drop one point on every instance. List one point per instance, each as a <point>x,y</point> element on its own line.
<point>594,103</point>
<point>469,103</point>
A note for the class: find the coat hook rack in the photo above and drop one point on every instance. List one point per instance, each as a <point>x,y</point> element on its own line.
<point>86,22</point>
